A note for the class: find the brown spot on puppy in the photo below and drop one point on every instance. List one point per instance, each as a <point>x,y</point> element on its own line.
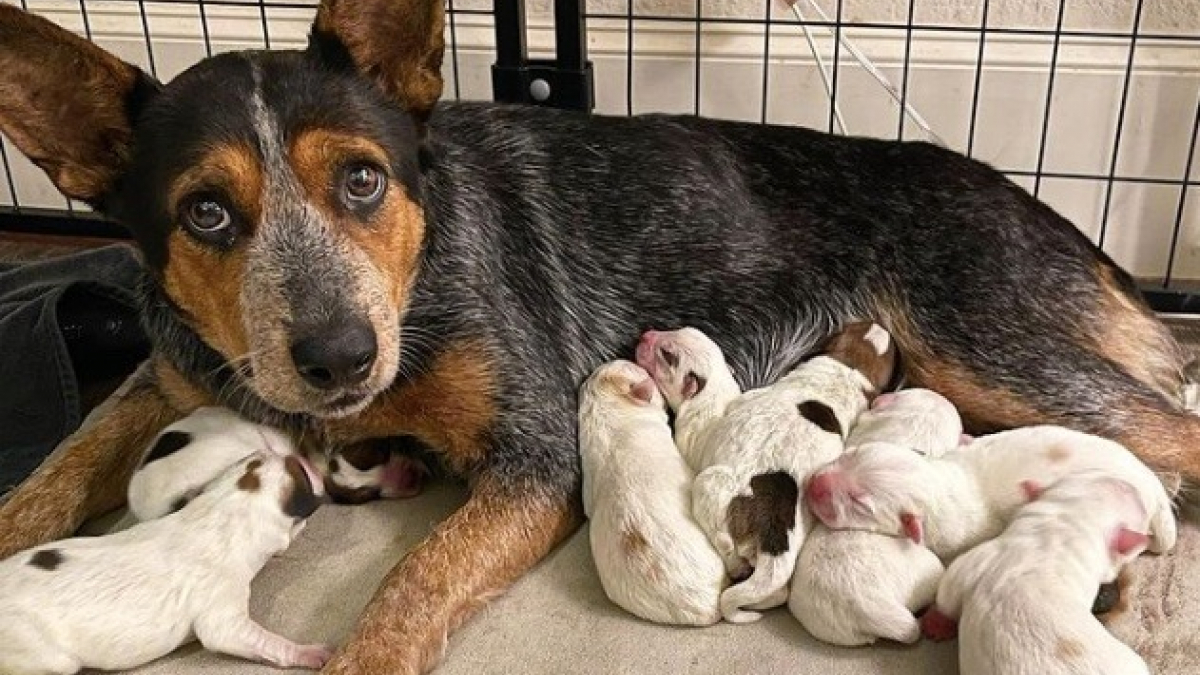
<point>852,347</point>
<point>250,481</point>
<point>1068,650</point>
<point>821,415</point>
<point>167,444</point>
<point>365,455</point>
<point>302,501</point>
<point>449,408</point>
<point>633,542</point>
<point>767,514</point>
<point>48,559</point>
<point>1057,454</point>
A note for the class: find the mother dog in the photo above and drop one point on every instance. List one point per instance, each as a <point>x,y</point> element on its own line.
<point>327,249</point>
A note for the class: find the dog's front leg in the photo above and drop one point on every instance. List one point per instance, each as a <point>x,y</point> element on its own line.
<point>87,474</point>
<point>506,526</point>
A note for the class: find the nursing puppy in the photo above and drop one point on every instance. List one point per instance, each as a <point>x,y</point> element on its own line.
<point>958,501</point>
<point>377,469</point>
<point>853,587</point>
<point>919,419</point>
<point>757,454</point>
<point>122,600</point>
<point>190,453</point>
<point>1023,600</point>
<point>652,559</point>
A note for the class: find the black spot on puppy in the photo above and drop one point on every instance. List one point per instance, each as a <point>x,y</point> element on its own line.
<point>768,513</point>
<point>303,499</point>
<point>48,559</point>
<point>167,444</point>
<point>1107,598</point>
<point>821,415</point>
<point>250,482</point>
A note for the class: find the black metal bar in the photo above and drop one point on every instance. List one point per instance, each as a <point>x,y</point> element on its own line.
<point>983,32</point>
<point>454,50</point>
<point>266,31</point>
<point>146,36</point>
<point>565,81</point>
<point>1144,180</point>
<point>8,174</point>
<point>766,74</point>
<point>56,222</point>
<point>837,57</point>
<point>208,50</point>
<point>1183,194</point>
<point>1171,302</point>
<point>628,57</point>
<point>908,39</point>
<point>1116,147</point>
<point>699,55</point>
<point>1041,158</point>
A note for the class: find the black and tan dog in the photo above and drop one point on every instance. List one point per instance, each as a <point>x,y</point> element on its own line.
<point>327,250</point>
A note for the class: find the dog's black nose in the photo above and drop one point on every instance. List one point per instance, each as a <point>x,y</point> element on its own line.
<point>335,357</point>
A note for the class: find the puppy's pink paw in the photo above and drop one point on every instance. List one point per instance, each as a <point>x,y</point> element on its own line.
<point>937,626</point>
<point>312,656</point>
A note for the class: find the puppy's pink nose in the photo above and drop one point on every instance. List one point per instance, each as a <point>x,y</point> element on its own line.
<point>644,354</point>
<point>820,488</point>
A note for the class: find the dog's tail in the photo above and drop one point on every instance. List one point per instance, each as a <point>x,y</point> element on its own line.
<point>767,587</point>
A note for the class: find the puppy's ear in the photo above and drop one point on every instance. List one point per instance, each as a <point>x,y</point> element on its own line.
<point>1126,541</point>
<point>693,384</point>
<point>396,43</point>
<point>883,401</point>
<point>67,104</point>
<point>643,391</point>
<point>910,524</point>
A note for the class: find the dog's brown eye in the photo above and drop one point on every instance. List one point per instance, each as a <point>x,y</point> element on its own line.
<point>364,184</point>
<point>207,216</point>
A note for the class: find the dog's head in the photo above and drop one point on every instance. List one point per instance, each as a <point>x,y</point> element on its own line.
<point>682,363</point>
<point>876,487</point>
<point>276,196</point>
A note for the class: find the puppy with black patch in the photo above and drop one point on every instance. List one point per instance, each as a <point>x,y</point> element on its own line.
<point>378,469</point>
<point>652,559</point>
<point>1023,600</point>
<point>854,587</point>
<point>966,497</point>
<point>122,600</point>
<point>190,453</point>
<point>757,454</point>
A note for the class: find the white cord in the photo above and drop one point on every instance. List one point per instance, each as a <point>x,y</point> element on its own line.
<point>821,68</point>
<point>868,66</point>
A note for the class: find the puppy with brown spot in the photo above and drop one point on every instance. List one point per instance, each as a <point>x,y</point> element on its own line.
<point>1023,600</point>
<point>378,469</point>
<point>854,587</point>
<point>122,600</point>
<point>652,559</point>
<point>187,455</point>
<point>966,497</point>
<point>754,457</point>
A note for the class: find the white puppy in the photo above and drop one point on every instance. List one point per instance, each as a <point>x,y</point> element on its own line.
<point>966,497</point>
<point>853,587</point>
<point>1023,600</point>
<point>757,454</point>
<point>188,454</point>
<point>652,559</point>
<point>125,599</point>
<point>921,420</point>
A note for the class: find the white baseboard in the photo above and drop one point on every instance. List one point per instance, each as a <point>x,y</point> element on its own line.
<point>1087,90</point>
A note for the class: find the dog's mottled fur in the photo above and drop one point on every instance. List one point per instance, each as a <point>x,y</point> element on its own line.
<point>467,265</point>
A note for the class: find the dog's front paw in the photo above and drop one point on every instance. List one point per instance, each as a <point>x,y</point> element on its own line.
<point>313,657</point>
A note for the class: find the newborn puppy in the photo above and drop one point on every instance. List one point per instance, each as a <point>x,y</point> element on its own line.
<point>188,454</point>
<point>652,559</point>
<point>919,419</point>
<point>122,600</point>
<point>1023,600</point>
<point>852,588</point>
<point>966,497</point>
<point>757,454</point>
<point>384,468</point>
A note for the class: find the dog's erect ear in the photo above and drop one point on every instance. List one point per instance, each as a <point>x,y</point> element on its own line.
<point>68,104</point>
<point>397,43</point>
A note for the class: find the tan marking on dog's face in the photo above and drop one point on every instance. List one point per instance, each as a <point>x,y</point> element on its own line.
<point>1128,334</point>
<point>232,173</point>
<point>450,408</point>
<point>207,285</point>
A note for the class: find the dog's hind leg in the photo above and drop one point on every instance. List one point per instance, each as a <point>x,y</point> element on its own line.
<point>88,473</point>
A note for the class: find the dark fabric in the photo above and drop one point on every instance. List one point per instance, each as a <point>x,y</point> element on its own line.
<point>62,321</point>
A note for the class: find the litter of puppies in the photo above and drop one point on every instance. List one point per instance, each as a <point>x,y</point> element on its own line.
<point>870,514</point>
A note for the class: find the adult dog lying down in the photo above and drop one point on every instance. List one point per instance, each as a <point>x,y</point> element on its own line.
<point>327,249</point>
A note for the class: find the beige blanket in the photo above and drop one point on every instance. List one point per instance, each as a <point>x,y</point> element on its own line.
<point>557,620</point>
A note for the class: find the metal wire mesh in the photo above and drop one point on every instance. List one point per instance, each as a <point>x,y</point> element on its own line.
<point>1112,146</point>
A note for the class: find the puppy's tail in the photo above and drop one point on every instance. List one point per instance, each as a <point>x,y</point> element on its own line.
<point>766,588</point>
